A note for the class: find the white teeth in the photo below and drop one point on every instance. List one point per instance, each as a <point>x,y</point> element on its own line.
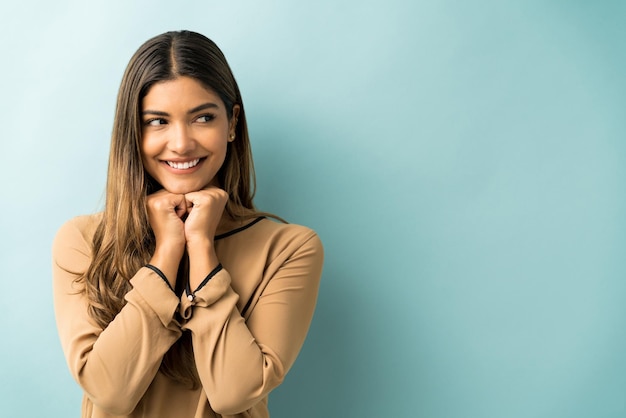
<point>183,166</point>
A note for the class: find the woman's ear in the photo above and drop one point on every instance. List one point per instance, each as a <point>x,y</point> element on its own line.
<point>232,129</point>
<point>233,120</point>
<point>236,111</point>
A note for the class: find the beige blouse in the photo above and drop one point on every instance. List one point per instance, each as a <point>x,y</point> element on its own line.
<point>270,269</point>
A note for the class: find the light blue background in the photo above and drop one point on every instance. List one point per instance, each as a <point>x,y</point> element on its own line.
<point>463,161</point>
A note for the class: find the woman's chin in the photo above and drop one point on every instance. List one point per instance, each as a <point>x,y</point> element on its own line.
<point>186,184</point>
<point>182,188</point>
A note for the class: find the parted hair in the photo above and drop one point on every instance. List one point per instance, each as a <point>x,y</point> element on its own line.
<point>124,241</point>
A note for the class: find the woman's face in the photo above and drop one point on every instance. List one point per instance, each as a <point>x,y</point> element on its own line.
<point>185,132</point>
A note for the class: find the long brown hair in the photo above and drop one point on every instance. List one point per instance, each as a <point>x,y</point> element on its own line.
<point>124,241</point>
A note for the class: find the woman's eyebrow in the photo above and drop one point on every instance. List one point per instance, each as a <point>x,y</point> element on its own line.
<point>154,112</point>
<point>190,111</point>
<point>203,107</point>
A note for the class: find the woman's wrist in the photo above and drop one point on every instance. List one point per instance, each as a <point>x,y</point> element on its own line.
<point>202,260</point>
<point>167,259</point>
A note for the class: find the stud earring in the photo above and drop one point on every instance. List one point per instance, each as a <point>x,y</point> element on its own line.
<point>232,137</point>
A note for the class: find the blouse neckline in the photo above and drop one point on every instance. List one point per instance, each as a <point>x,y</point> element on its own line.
<point>241,228</point>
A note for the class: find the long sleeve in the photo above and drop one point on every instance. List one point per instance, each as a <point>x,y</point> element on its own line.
<point>115,365</point>
<point>240,360</point>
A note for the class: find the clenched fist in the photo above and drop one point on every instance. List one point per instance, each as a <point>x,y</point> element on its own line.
<point>205,212</point>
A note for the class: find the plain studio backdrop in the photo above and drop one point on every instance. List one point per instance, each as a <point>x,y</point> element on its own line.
<point>463,161</point>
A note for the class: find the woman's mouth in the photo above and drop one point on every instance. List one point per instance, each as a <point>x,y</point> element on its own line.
<point>183,165</point>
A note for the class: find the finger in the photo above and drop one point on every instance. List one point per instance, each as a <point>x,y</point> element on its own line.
<point>182,206</point>
<point>180,211</point>
<point>165,202</point>
<point>207,195</point>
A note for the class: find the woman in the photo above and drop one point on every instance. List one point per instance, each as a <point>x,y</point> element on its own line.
<point>181,299</point>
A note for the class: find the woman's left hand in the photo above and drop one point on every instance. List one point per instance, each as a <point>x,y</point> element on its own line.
<point>205,215</point>
<point>200,228</point>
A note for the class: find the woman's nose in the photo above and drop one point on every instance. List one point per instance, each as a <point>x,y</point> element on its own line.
<point>181,140</point>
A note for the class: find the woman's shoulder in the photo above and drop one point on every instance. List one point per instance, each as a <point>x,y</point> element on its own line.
<point>265,229</point>
<point>288,230</point>
<point>270,242</point>
<point>86,224</point>
<point>77,232</point>
<point>278,238</point>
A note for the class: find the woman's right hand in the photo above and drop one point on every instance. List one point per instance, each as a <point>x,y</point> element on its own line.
<point>165,214</point>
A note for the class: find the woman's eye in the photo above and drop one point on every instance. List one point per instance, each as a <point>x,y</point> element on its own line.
<point>205,118</point>
<point>155,122</point>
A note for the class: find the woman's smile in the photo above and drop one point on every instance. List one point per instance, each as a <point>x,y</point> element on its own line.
<point>183,165</point>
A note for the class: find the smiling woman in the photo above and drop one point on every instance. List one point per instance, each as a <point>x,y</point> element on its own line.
<point>181,299</point>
